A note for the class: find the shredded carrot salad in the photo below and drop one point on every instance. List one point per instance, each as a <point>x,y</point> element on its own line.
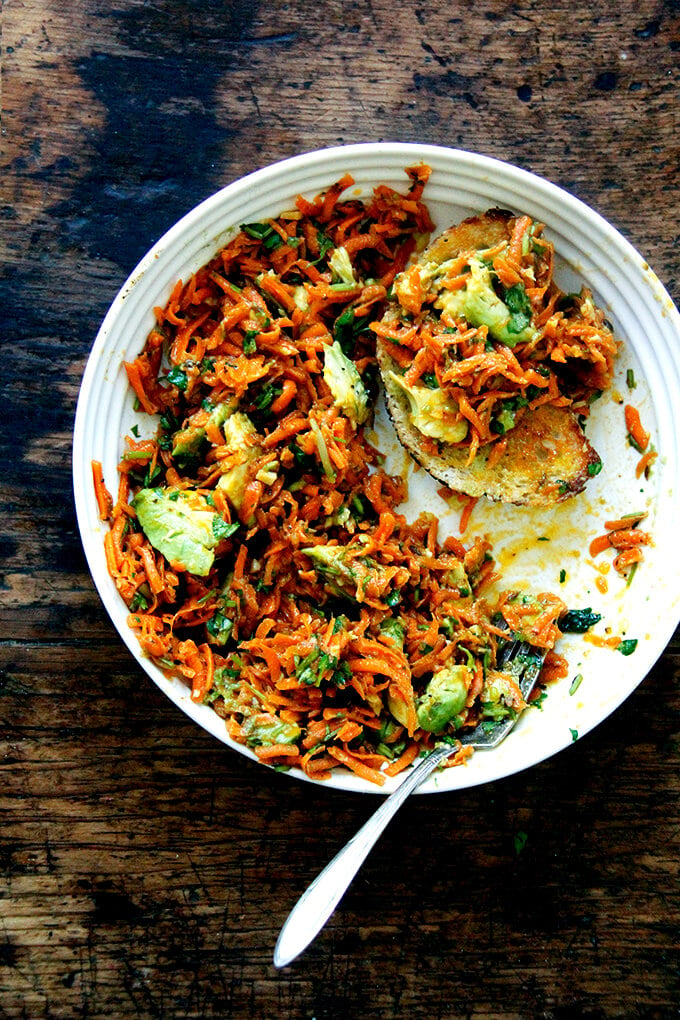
<point>497,336</point>
<point>255,537</point>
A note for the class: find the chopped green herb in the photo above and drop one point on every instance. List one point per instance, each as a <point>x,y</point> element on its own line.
<point>630,379</point>
<point>505,420</point>
<point>517,300</point>
<point>538,699</point>
<point>264,232</point>
<point>178,377</point>
<point>391,751</point>
<point>139,601</point>
<point>318,666</point>
<point>347,328</point>
<point>267,396</point>
<point>250,341</point>
<point>170,422</point>
<point>578,621</point>
<point>574,734</point>
<point>304,461</point>
<point>325,243</point>
<point>219,628</point>
<point>563,576</point>
<point>595,468</point>
<point>627,647</point>
<point>152,476</point>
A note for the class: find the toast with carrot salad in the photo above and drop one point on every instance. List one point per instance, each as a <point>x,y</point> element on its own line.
<point>490,368</point>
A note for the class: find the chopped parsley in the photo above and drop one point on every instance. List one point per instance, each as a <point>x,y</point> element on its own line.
<point>318,666</point>
<point>267,396</point>
<point>578,621</point>
<point>219,627</point>
<point>347,328</point>
<point>178,377</point>
<point>265,233</point>
<point>627,647</point>
<point>250,341</point>
<point>517,300</point>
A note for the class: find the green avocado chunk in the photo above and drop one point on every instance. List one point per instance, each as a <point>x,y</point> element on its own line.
<point>444,698</point>
<point>187,441</point>
<point>181,525</point>
<point>346,385</point>
<point>508,321</point>
<point>432,412</point>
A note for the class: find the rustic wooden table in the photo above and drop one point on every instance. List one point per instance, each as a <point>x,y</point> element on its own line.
<point>145,869</point>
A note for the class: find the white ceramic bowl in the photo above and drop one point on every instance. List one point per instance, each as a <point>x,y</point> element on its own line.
<point>644,317</point>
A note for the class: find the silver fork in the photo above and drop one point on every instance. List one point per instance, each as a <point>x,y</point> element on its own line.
<point>320,899</point>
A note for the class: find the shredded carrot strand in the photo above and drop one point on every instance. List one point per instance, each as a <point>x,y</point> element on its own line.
<point>470,504</point>
<point>102,494</point>
<point>638,434</point>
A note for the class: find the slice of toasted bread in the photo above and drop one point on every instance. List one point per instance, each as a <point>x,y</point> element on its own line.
<point>547,459</point>
<point>472,234</point>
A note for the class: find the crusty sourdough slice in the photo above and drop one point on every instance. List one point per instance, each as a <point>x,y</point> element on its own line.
<point>473,234</point>
<point>547,459</point>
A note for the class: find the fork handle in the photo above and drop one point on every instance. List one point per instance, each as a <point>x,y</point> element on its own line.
<point>320,899</point>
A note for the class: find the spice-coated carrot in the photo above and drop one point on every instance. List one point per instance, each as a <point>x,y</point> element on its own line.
<point>599,545</point>
<point>101,493</point>
<point>637,433</point>
<point>645,462</point>
<point>465,516</point>
<point>627,558</point>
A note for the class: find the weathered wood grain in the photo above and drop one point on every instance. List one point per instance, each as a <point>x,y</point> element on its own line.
<point>145,869</point>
